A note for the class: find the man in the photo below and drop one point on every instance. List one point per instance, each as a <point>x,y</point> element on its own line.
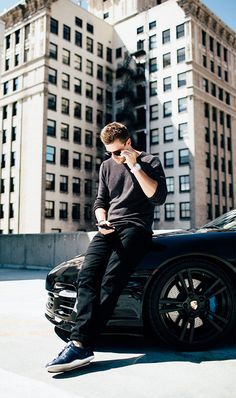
<point>131,183</point>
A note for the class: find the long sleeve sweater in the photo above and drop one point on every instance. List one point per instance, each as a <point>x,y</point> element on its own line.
<point>121,195</point>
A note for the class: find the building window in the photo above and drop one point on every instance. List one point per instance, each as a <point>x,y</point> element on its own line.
<point>52,51</point>
<point>5,88</point>
<point>50,154</point>
<point>63,210</point>
<point>76,160</point>
<point>51,128</point>
<point>88,187</point>
<point>211,44</point>
<point>8,41</point>
<point>109,76</point>
<point>152,25</point>
<point>78,22</point>
<point>153,88</point>
<point>100,95</point>
<point>54,26</point>
<point>88,162</point>
<point>181,79</point>
<point>184,183</point>
<point>49,209</point>
<point>89,67</point>
<point>183,157</point>
<point>152,42</point>
<point>166,60</point>
<point>63,183</point>
<point>167,83</point>
<point>4,112</point>
<point>88,138</point>
<point>78,38</point>
<point>154,136</point>
<point>52,76</point>
<point>181,55</point>
<point>89,28</point>
<point>182,104</point>
<point>167,109</point>
<point>99,118</point>
<point>2,185</point>
<point>154,112</point>
<point>204,61</point>
<point>4,136</point>
<point>75,211</point>
<point>89,114</point>
<point>65,106</point>
<point>65,56</point>
<point>100,50</point>
<point>50,182</point>
<point>15,83</point>
<point>11,210</point>
<point>100,72</point>
<point>17,58</point>
<point>168,134</point>
<point>166,36</point>
<point>109,54</point>
<point>180,31</point>
<point>14,109</point>
<point>13,133</point>
<point>140,29</point>
<point>87,212</point>
<point>65,81</point>
<point>89,44</point>
<point>65,131</point>
<point>77,110</point>
<point>3,161</point>
<point>12,184</point>
<point>119,52</point>
<point>156,213</point>
<point>152,65</point>
<point>52,102</point>
<point>169,159</point>
<point>205,85</point>
<point>78,62</point>
<point>203,38</point>
<point>77,135</point>
<point>76,185</point>
<point>13,159</point>
<point>64,158</point>
<point>184,210</point>
<point>182,130</point>
<point>170,184</point>
<point>66,32</point>
<point>169,211</point>
<point>89,90</point>
<point>77,85</point>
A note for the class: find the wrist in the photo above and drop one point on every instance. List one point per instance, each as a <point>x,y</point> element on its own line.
<point>136,167</point>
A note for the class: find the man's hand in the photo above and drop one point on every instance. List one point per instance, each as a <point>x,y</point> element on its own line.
<point>105,227</point>
<point>130,156</point>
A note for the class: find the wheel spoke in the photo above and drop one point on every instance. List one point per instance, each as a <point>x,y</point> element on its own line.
<point>209,290</point>
<point>182,281</point>
<point>169,305</point>
<point>192,328</point>
<point>190,280</point>
<point>222,289</point>
<point>220,318</point>
<point>184,329</point>
<point>213,323</point>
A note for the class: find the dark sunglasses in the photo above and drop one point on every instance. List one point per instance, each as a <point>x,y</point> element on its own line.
<point>116,153</point>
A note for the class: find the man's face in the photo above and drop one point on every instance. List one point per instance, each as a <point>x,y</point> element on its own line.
<point>114,150</point>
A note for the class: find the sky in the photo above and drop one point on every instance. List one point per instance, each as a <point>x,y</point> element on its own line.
<point>225,9</point>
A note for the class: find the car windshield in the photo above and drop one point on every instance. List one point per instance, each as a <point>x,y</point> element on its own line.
<point>226,221</point>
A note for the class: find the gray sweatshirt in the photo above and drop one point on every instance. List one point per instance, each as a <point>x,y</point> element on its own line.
<point>121,195</point>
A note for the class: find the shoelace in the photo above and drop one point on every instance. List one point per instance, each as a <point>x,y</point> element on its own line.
<point>64,350</point>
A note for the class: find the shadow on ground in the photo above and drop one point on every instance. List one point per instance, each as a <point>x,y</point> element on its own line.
<point>142,351</point>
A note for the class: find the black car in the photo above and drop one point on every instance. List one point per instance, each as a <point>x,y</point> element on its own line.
<point>183,290</point>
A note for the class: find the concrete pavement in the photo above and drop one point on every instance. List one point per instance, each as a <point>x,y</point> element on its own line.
<point>128,367</point>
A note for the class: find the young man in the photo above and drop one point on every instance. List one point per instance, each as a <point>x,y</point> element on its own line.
<point>131,183</point>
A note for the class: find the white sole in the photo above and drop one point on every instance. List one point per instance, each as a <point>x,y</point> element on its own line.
<point>78,363</point>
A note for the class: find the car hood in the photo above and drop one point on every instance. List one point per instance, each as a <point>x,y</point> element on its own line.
<point>66,272</point>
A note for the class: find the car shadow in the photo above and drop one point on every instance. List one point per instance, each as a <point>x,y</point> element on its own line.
<point>143,351</point>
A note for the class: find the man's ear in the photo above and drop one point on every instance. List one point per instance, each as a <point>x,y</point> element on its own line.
<point>128,142</point>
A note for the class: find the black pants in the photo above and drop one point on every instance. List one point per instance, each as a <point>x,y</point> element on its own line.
<point>108,263</point>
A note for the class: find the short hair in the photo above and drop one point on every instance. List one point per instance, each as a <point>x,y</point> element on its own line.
<point>114,131</point>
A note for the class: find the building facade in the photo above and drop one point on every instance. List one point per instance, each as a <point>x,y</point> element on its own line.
<point>67,71</point>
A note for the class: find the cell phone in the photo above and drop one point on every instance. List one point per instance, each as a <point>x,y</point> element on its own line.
<point>105,226</point>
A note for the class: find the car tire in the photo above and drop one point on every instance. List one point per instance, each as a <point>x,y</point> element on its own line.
<point>192,304</point>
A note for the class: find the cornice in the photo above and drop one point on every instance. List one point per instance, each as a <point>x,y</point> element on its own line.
<point>201,13</point>
<point>24,10</point>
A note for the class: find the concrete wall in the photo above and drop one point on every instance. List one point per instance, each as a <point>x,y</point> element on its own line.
<point>41,250</point>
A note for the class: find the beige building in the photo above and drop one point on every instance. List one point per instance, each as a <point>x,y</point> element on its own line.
<point>167,69</point>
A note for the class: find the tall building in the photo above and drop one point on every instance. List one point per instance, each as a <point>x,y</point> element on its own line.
<point>165,68</point>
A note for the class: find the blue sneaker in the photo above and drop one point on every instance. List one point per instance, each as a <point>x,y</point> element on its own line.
<point>71,357</point>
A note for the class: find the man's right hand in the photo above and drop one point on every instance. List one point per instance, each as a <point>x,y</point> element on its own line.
<point>105,227</point>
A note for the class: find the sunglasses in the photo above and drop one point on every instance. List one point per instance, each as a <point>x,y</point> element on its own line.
<point>116,153</point>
